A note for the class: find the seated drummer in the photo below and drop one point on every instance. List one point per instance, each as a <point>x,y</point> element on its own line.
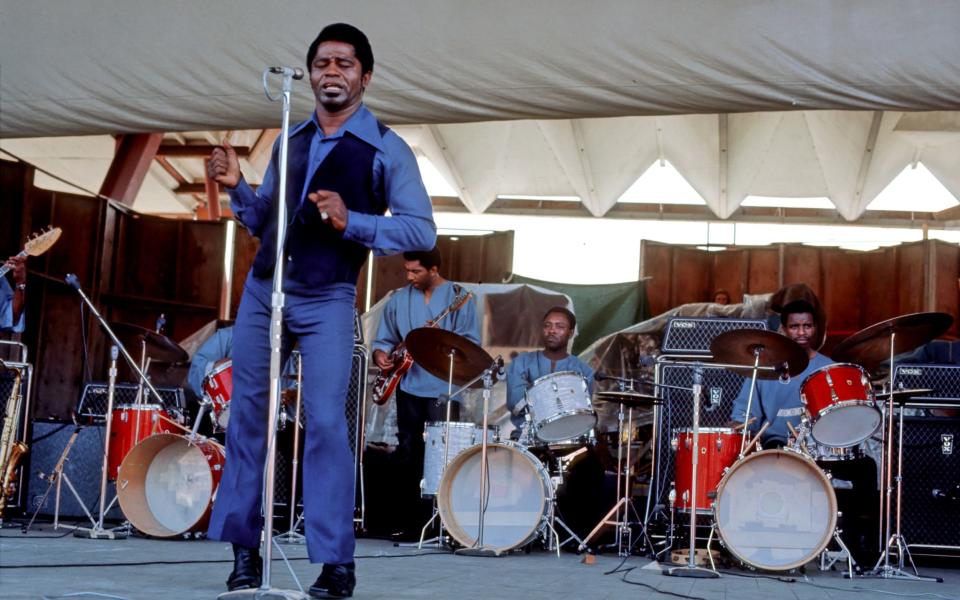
<point>558,327</point>
<point>802,320</point>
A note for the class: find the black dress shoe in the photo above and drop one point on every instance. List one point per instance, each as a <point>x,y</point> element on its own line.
<point>246,568</point>
<point>335,581</point>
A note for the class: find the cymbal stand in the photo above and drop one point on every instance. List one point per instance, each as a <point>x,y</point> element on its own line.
<point>292,536</point>
<point>439,538</point>
<point>753,388</point>
<point>97,532</point>
<point>478,548</point>
<point>883,568</point>
<point>624,502</point>
<point>55,479</point>
<point>691,569</point>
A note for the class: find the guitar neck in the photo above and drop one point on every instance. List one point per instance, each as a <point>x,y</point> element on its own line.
<point>5,268</point>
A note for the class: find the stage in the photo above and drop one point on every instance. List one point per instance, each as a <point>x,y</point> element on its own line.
<point>39,565</point>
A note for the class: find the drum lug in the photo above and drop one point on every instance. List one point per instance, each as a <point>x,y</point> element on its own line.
<point>674,444</point>
<point>719,443</point>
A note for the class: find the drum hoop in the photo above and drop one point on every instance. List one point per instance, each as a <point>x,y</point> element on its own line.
<point>457,425</point>
<point>568,413</point>
<point>151,407</point>
<point>872,404</point>
<point>863,372</point>
<point>454,528</point>
<point>557,374</point>
<point>219,369</point>
<point>831,497</point>
<point>703,430</point>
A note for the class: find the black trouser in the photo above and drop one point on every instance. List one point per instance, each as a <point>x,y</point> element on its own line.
<point>412,413</point>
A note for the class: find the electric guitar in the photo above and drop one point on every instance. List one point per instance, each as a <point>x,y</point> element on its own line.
<point>35,246</point>
<point>388,380</point>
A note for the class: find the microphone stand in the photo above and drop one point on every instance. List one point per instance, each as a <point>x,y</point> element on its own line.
<point>266,591</point>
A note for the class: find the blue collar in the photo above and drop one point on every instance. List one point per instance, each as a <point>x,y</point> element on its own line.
<point>361,124</point>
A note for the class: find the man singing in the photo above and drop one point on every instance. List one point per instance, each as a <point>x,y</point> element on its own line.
<point>345,169</point>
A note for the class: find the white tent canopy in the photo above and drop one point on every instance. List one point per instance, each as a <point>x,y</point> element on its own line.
<point>533,98</point>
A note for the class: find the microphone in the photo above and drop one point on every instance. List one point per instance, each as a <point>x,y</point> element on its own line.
<point>296,73</point>
<point>161,322</point>
<point>73,281</point>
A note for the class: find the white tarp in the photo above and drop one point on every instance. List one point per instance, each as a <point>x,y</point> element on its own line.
<point>96,66</point>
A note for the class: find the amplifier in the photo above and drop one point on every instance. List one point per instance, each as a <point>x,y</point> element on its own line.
<point>93,402</point>
<point>931,482</point>
<point>943,379</point>
<point>692,335</point>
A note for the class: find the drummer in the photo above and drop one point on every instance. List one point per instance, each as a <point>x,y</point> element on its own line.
<point>802,320</point>
<point>559,325</point>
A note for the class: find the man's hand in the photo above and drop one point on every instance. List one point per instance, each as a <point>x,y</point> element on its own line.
<point>382,360</point>
<point>18,266</point>
<point>224,167</point>
<point>331,208</point>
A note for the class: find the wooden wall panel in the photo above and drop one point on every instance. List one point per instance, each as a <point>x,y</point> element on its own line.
<point>146,258</point>
<point>879,295</point>
<point>945,280</point>
<point>200,275</point>
<point>802,264</point>
<point>842,295</point>
<point>245,248</point>
<point>728,273</point>
<point>656,263</point>
<point>763,272</point>
<point>688,282</point>
<point>911,274</point>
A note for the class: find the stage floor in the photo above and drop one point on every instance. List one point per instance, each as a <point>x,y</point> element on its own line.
<point>41,566</point>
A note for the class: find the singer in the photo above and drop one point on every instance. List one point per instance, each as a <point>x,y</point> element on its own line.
<point>558,327</point>
<point>345,169</point>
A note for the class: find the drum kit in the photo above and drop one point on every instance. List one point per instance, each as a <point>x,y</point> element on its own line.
<point>776,509</point>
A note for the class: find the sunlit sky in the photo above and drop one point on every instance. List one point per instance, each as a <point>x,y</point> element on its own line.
<point>606,250</point>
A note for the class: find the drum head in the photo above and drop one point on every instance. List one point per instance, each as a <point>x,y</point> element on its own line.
<point>775,510</point>
<point>846,425</point>
<point>166,486</point>
<point>566,426</point>
<point>519,492</point>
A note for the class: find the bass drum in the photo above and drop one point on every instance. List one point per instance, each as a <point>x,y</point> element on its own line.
<point>519,493</point>
<point>775,510</point>
<point>167,484</point>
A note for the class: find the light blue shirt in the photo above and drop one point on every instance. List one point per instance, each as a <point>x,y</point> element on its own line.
<point>410,225</point>
<point>6,309</point>
<point>216,347</point>
<point>530,366</point>
<point>407,310</point>
<point>780,401</point>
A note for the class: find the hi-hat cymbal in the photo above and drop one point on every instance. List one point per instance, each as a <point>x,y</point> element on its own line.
<point>737,347</point>
<point>628,398</point>
<point>432,349</point>
<point>871,346</point>
<point>159,346</point>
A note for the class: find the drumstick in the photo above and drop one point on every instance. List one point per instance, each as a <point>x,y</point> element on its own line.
<point>742,425</point>
<point>759,433</point>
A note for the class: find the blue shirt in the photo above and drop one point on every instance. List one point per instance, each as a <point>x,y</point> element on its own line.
<point>410,225</point>
<point>781,401</point>
<point>407,310</point>
<point>216,347</point>
<point>6,309</point>
<point>530,366</point>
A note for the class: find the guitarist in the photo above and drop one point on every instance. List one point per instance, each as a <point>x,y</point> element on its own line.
<point>13,297</point>
<point>427,295</point>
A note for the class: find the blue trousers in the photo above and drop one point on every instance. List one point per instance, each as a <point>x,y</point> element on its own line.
<point>323,324</point>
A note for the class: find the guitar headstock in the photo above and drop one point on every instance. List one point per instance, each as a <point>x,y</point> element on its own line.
<point>41,242</point>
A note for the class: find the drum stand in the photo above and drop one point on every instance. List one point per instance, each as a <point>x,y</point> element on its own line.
<point>691,569</point>
<point>883,568</point>
<point>625,503</point>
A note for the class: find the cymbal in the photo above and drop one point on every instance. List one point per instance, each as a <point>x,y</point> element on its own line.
<point>736,347</point>
<point>904,395</point>
<point>431,348</point>
<point>159,346</point>
<point>871,346</point>
<point>628,398</point>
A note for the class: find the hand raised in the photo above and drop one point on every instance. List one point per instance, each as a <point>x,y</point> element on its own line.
<point>331,207</point>
<point>223,166</point>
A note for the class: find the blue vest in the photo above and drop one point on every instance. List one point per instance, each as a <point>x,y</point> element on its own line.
<point>316,253</point>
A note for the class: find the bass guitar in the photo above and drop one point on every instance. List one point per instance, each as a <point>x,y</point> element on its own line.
<point>37,245</point>
<point>388,380</point>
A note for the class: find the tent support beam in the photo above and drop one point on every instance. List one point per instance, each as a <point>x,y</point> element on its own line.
<point>130,165</point>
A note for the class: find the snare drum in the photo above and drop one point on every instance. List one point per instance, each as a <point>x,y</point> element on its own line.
<point>462,436</point>
<point>167,484</point>
<point>839,401</point>
<point>775,510</point>
<point>131,423</point>
<point>560,406</point>
<point>519,494</point>
<point>718,447</point>
<point>218,388</point>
